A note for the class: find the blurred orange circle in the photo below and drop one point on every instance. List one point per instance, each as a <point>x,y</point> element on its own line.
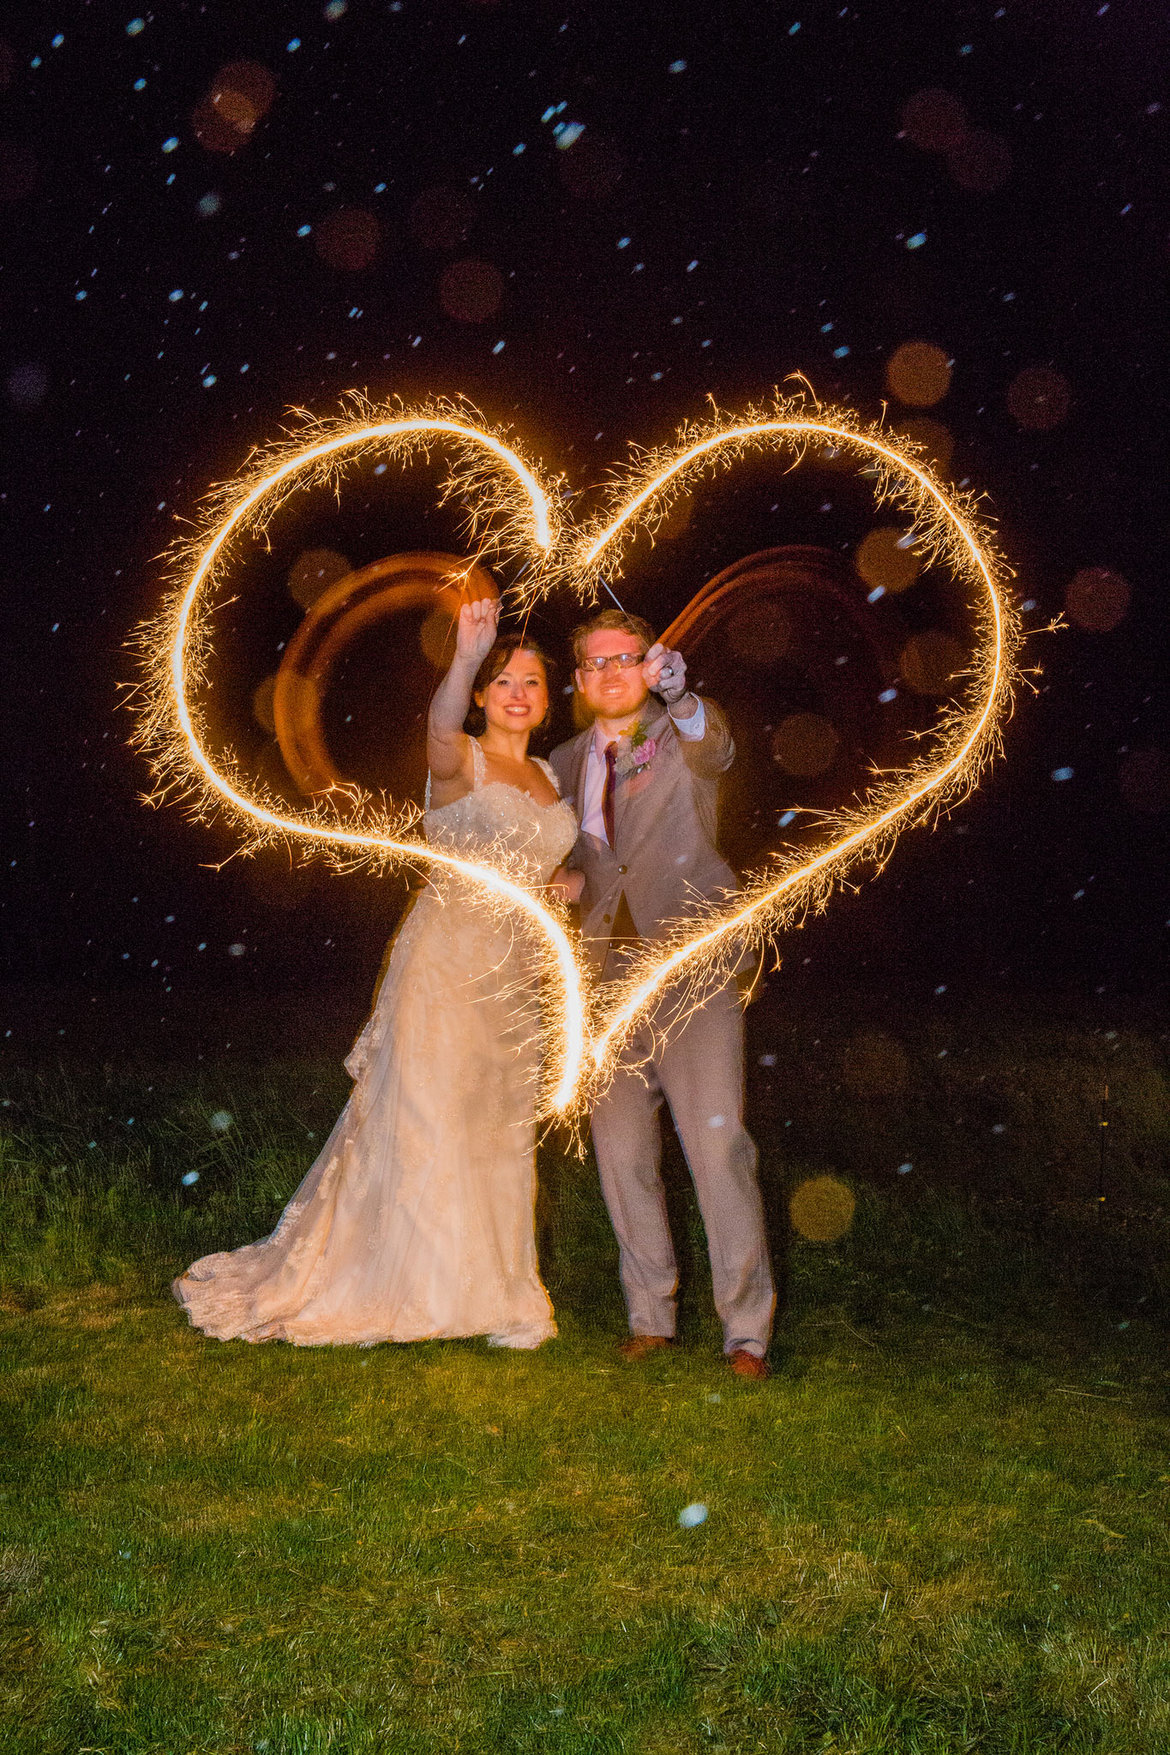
<point>980,162</point>
<point>18,170</point>
<point>821,1209</point>
<point>882,560</point>
<point>440,218</point>
<point>936,440</point>
<point>471,291</point>
<point>262,709</point>
<point>592,167</point>
<point>759,634</point>
<point>805,744</point>
<point>239,96</point>
<point>1097,599</point>
<point>919,373</point>
<point>875,1065</point>
<point>313,572</point>
<point>1039,398</point>
<point>934,119</point>
<point>348,239</point>
<point>1144,777</point>
<point>930,661</point>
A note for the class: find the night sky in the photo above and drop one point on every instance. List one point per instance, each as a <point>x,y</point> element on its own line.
<point>589,220</point>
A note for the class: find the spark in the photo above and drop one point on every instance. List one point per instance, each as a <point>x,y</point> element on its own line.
<point>176,646</point>
<point>513,513</point>
<point>705,946</point>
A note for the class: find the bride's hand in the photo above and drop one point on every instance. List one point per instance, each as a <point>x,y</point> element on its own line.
<point>566,884</point>
<point>476,634</point>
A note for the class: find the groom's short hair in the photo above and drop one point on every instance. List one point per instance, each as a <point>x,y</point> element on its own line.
<point>608,621</point>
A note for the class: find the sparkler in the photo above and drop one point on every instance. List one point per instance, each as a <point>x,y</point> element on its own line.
<point>513,513</point>
<point>176,648</point>
<point>704,948</point>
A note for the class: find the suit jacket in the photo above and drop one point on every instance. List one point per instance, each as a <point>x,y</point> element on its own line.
<point>666,812</point>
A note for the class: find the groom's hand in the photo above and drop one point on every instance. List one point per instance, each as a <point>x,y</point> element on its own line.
<point>665,673</point>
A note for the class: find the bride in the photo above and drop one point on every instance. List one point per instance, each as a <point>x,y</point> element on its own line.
<point>416,1221</point>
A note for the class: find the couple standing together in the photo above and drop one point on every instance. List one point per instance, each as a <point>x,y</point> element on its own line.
<point>416,1221</point>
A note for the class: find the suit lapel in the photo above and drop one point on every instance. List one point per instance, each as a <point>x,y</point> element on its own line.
<point>653,725</point>
<point>580,769</point>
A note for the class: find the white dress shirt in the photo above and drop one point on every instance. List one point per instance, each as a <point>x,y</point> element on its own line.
<point>593,805</point>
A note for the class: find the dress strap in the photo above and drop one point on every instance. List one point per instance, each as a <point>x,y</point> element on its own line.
<point>547,769</point>
<point>427,793</point>
<point>478,765</point>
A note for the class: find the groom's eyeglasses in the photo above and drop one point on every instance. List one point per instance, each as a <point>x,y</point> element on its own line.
<point>621,660</point>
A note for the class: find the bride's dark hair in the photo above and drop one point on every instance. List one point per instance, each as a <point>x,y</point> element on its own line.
<point>498,659</point>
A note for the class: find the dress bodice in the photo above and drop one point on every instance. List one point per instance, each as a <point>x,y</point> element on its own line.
<point>502,826</point>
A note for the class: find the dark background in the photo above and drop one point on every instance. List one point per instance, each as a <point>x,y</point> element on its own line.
<point>742,203</point>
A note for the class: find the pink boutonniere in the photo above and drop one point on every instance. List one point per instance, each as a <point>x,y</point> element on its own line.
<point>639,753</point>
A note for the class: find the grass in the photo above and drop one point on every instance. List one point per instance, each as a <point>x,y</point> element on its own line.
<point>941,1527</point>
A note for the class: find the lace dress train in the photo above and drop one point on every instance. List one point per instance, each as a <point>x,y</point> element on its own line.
<point>416,1220</point>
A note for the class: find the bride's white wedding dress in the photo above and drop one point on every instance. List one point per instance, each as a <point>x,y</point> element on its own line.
<point>416,1221</point>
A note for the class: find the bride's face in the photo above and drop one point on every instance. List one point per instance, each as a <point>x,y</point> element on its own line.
<point>516,699</point>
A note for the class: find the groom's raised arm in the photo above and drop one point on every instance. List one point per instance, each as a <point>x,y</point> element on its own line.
<point>703,733</point>
<point>713,751</point>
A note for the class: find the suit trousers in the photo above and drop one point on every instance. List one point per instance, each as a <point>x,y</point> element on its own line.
<point>698,1068</point>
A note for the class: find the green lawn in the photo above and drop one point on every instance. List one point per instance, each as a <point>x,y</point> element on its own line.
<point>942,1526</point>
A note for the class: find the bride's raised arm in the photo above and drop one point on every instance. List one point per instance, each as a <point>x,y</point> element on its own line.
<point>448,745</point>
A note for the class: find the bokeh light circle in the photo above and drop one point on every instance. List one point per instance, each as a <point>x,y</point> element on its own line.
<point>919,373</point>
<point>1144,778</point>
<point>885,561</point>
<point>981,162</point>
<point>348,239</point>
<point>805,744</point>
<point>592,167</point>
<point>1097,599</point>
<point>18,170</point>
<point>240,96</point>
<point>935,440</point>
<point>875,1065</point>
<point>314,571</point>
<point>440,218</point>
<point>759,634</point>
<point>263,711</point>
<point>27,385</point>
<point>934,119</point>
<point>471,291</point>
<point>821,1208</point>
<point>931,660</point>
<point>1039,398</point>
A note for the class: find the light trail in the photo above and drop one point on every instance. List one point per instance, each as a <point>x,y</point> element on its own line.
<point>500,486</point>
<point>926,784</point>
<point>312,829</point>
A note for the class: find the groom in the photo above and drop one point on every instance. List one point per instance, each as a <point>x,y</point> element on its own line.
<point>644,778</point>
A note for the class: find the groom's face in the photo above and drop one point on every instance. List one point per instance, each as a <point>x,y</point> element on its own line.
<point>613,693</point>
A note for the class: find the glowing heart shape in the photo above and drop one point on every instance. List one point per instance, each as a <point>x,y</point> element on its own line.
<point>518,516</point>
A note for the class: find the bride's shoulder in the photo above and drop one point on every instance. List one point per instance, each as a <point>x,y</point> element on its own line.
<point>549,772</point>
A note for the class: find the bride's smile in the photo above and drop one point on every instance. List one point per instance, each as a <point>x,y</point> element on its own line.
<point>517,698</point>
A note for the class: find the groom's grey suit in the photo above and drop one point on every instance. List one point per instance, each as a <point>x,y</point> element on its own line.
<point>663,859</point>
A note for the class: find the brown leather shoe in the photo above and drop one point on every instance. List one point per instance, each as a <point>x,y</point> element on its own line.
<point>745,1364</point>
<point>639,1347</point>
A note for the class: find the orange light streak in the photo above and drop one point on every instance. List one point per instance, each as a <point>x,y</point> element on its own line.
<point>641,990</point>
<point>572,1034</point>
<point>704,946</point>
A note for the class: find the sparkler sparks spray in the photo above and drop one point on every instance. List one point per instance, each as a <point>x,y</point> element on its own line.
<point>514,515</point>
